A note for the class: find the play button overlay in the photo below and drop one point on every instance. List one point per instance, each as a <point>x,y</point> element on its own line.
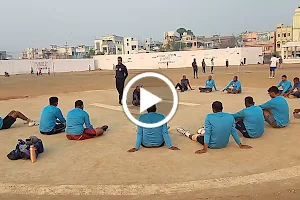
<point>147,100</point>
<point>156,90</point>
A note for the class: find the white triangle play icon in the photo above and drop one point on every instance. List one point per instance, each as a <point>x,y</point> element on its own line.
<point>147,100</point>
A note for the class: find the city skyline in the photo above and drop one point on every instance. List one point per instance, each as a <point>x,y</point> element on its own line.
<point>39,24</point>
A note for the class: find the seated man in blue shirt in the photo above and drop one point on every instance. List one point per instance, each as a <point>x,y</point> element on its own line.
<point>250,120</point>
<point>295,91</point>
<point>209,85</point>
<point>286,86</point>
<point>136,95</point>
<point>76,119</point>
<point>236,86</point>
<point>184,84</point>
<point>52,120</point>
<point>218,128</point>
<point>152,137</point>
<point>276,110</point>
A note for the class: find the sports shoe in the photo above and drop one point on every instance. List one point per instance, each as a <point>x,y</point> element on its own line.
<point>105,127</point>
<point>181,130</point>
<point>33,123</point>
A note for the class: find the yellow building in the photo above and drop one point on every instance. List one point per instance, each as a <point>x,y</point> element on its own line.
<point>296,25</point>
<point>284,34</point>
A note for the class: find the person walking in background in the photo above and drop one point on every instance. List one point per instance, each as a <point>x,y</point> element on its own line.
<point>121,75</point>
<point>280,63</point>
<point>227,63</point>
<point>273,66</point>
<point>203,66</point>
<point>195,68</point>
<point>212,65</point>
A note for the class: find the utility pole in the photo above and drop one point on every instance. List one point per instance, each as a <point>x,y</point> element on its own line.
<point>66,46</point>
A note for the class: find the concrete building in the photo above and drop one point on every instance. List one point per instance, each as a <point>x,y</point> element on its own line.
<point>192,42</point>
<point>266,40</point>
<point>171,36</point>
<point>80,51</point>
<point>296,25</point>
<point>219,42</point>
<point>3,55</point>
<point>110,45</point>
<point>131,45</point>
<point>151,46</point>
<point>284,34</point>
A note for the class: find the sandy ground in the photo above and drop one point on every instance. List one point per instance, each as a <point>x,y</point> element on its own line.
<point>268,171</point>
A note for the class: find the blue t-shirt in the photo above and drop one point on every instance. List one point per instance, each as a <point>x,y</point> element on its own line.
<point>286,86</point>
<point>210,84</point>
<point>76,119</point>
<point>49,117</point>
<point>253,118</point>
<point>218,128</point>
<point>1,122</point>
<point>279,109</point>
<point>235,85</point>
<point>152,137</point>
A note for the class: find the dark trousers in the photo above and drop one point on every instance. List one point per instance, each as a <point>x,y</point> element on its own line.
<point>203,70</point>
<point>242,128</point>
<point>212,69</point>
<point>205,89</point>
<point>195,72</point>
<point>180,87</point>
<point>120,87</point>
<point>200,139</point>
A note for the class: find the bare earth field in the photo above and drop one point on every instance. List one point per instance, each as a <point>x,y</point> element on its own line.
<point>102,169</point>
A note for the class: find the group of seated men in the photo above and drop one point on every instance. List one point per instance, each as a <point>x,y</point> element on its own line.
<point>234,87</point>
<point>220,125</point>
<point>53,122</point>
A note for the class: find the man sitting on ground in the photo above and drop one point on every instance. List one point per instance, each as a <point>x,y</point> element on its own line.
<point>210,84</point>
<point>184,84</point>
<point>286,86</point>
<point>136,95</point>
<point>276,110</point>
<point>52,120</point>
<point>218,128</point>
<point>76,119</point>
<point>11,118</point>
<point>236,86</point>
<point>152,137</point>
<point>250,120</point>
<point>295,91</point>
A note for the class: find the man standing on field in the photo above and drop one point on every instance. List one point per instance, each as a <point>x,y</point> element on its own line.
<point>273,66</point>
<point>121,75</point>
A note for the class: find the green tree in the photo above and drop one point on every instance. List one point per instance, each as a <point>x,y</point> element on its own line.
<point>190,32</point>
<point>181,31</point>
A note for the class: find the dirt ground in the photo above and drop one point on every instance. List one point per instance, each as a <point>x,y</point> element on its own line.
<point>105,162</point>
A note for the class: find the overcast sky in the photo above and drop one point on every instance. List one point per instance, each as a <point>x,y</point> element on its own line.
<point>39,23</point>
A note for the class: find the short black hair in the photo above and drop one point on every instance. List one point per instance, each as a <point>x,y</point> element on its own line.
<point>152,109</point>
<point>120,58</point>
<point>284,76</point>
<point>53,101</point>
<point>236,77</point>
<point>217,106</point>
<point>249,100</point>
<point>274,89</point>
<point>78,103</point>
<point>296,79</point>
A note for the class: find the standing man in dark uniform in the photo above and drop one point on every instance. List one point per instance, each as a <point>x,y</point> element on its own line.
<point>195,68</point>
<point>121,75</point>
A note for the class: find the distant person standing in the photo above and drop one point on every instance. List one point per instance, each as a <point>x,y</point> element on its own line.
<point>273,66</point>
<point>37,71</point>
<point>167,65</point>
<point>280,63</point>
<point>203,66</point>
<point>121,75</point>
<point>212,65</point>
<point>31,71</point>
<point>49,71</point>
<point>195,68</point>
<point>40,71</point>
<point>227,63</point>
<point>90,68</point>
